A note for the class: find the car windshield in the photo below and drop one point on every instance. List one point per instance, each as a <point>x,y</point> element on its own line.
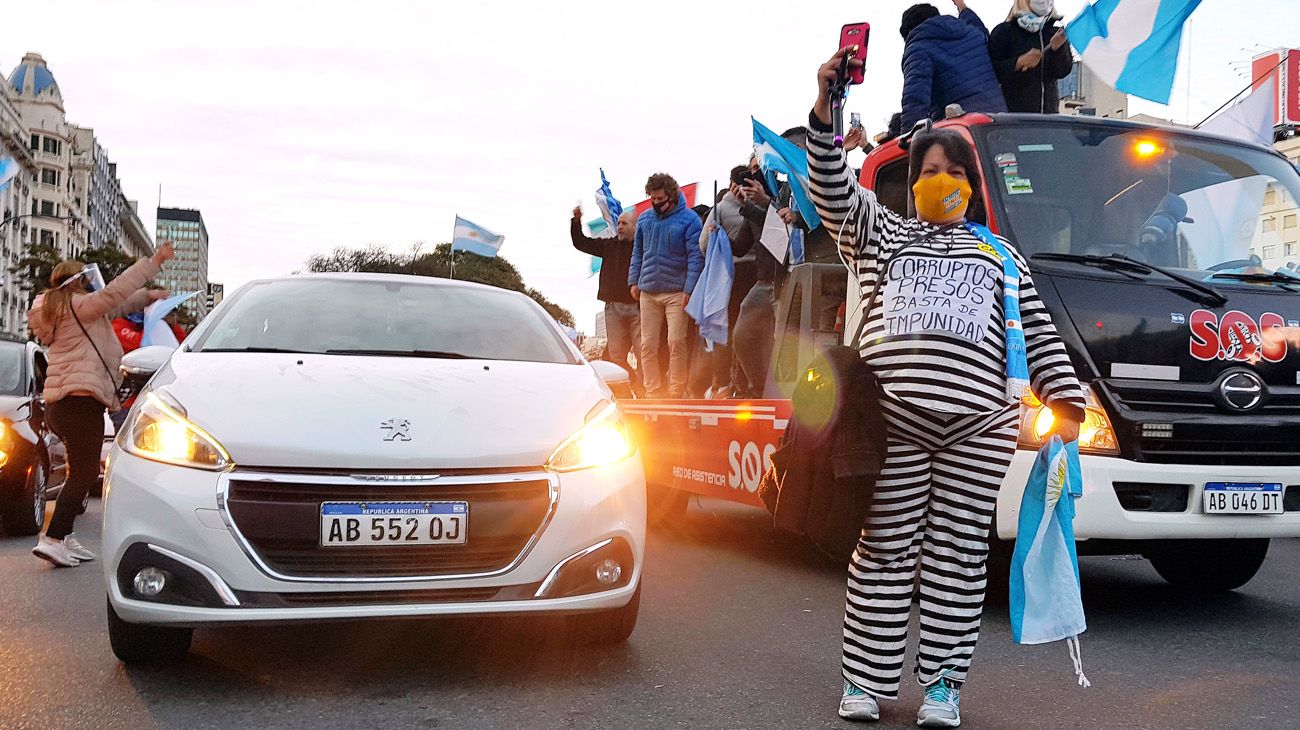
<point>1160,197</point>
<point>396,318</point>
<point>11,370</point>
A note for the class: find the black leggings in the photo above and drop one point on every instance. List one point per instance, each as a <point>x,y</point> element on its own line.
<point>79,421</point>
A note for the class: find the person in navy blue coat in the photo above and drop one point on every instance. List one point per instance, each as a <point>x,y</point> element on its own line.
<point>946,61</point>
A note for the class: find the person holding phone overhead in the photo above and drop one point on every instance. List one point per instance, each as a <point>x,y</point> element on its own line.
<point>73,320</point>
<point>1030,54</point>
<point>952,369</point>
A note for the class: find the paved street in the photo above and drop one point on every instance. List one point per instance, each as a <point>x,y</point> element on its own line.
<point>737,631</point>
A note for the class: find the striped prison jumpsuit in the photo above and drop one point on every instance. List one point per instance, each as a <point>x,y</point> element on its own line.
<point>935,337</point>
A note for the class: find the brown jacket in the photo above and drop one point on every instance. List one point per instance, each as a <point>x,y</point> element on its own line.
<point>74,366</point>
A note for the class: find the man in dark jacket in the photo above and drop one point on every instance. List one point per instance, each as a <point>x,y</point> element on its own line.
<point>946,61</point>
<point>1030,54</point>
<point>622,314</point>
<point>666,263</point>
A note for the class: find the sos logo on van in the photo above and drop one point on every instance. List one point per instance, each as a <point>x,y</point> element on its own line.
<point>1237,337</point>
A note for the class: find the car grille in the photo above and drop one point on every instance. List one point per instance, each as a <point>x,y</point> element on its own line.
<point>1180,423</point>
<point>280,521</point>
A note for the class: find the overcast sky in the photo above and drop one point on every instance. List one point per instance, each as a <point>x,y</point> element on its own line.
<point>297,127</point>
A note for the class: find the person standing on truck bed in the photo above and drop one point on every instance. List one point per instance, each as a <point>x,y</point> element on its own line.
<point>936,341</point>
<point>622,315</point>
<point>1030,54</point>
<point>946,61</point>
<point>666,263</point>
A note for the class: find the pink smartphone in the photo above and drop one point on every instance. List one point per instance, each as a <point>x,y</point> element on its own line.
<point>856,34</point>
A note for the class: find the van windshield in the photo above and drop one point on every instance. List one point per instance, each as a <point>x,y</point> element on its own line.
<point>1155,195</point>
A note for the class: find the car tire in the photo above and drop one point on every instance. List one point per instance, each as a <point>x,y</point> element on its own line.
<point>611,626</point>
<point>144,644</point>
<point>24,509</point>
<point>1208,566</point>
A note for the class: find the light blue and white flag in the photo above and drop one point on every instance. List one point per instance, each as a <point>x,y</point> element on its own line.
<point>156,331</point>
<point>610,208</point>
<point>708,304</point>
<point>9,170</point>
<point>1132,44</point>
<point>475,239</point>
<point>776,155</point>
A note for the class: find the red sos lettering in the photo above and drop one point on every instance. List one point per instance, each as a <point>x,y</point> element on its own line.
<point>1236,337</point>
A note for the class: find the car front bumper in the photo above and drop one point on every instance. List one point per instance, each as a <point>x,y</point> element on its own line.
<point>1100,513</point>
<point>181,514</point>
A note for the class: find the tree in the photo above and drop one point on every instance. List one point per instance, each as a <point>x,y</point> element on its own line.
<point>493,271</point>
<point>33,270</point>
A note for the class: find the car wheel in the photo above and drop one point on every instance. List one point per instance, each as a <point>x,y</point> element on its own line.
<point>143,644</point>
<point>24,510</point>
<point>1208,566</point>
<point>611,626</point>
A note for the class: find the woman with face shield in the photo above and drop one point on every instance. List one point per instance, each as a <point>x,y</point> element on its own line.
<point>1030,54</point>
<point>73,320</point>
<point>956,335</point>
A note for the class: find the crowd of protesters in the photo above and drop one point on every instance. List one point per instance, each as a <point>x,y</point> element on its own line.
<point>651,267</point>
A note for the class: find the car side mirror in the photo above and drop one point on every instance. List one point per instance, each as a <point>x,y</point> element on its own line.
<point>614,376</point>
<point>146,361</point>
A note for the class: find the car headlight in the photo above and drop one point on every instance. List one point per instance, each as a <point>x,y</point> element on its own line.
<point>603,440</point>
<point>1096,434</point>
<point>159,429</point>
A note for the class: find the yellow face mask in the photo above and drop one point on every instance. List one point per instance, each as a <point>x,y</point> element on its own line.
<point>941,198</point>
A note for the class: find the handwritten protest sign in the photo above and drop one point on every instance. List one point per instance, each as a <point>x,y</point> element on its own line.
<point>932,294</point>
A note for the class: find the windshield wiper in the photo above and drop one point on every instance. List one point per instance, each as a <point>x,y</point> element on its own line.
<point>1275,277</point>
<point>277,350</point>
<point>1126,262</point>
<point>438,354</point>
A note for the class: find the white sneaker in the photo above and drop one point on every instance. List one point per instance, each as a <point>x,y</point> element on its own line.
<point>856,704</point>
<point>76,549</point>
<point>56,552</point>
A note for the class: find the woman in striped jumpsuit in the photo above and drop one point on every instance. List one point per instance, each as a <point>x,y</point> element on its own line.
<point>936,339</point>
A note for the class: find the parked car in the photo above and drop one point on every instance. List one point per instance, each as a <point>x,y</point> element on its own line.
<point>25,465</point>
<point>352,446</point>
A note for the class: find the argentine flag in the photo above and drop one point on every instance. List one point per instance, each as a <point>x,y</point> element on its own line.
<point>775,155</point>
<point>1132,44</point>
<point>9,170</point>
<point>475,239</point>
<point>610,208</point>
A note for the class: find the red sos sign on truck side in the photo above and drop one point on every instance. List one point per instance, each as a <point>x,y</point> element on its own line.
<point>1181,318</point>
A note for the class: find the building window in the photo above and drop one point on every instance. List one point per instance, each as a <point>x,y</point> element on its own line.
<point>1270,252</point>
<point>1270,224</point>
<point>52,145</point>
<point>1288,221</point>
<point>47,238</point>
<point>50,177</point>
<point>1290,249</point>
<point>36,142</point>
<point>48,208</point>
<point>1270,197</point>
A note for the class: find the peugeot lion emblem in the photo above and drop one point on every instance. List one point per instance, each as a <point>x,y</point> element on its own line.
<point>396,429</point>
<point>1241,390</point>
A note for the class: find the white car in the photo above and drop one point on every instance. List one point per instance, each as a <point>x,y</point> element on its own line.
<point>354,446</point>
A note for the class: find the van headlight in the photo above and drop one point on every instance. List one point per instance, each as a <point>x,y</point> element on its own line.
<point>1096,434</point>
<point>159,429</point>
<point>603,440</point>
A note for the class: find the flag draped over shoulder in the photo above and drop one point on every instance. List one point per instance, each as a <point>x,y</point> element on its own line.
<point>1132,44</point>
<point>708,304</point>
<point>776,155</point>
<point>475,239</point>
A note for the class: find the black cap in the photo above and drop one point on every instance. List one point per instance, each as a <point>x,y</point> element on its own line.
<point>916,15</point>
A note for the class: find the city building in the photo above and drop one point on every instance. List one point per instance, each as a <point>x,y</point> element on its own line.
<point>56,218</point>
<point>133,237</point>
<point>14,202</point>
<point>189,271</point>
<point>1083,94</point>
<point>1277,235</point>
<point>216,293</point>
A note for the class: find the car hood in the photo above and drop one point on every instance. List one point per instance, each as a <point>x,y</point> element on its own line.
<point>11,404</point>
<point>346,412</point>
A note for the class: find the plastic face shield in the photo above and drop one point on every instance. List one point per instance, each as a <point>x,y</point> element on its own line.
<point>93,277</point>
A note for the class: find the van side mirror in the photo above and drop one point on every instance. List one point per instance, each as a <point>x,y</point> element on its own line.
<point>618,379</point>
<point>146,361</point>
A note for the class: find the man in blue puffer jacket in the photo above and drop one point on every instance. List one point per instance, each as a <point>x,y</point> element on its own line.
<point>666,263</point>
<point>946,61</point>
